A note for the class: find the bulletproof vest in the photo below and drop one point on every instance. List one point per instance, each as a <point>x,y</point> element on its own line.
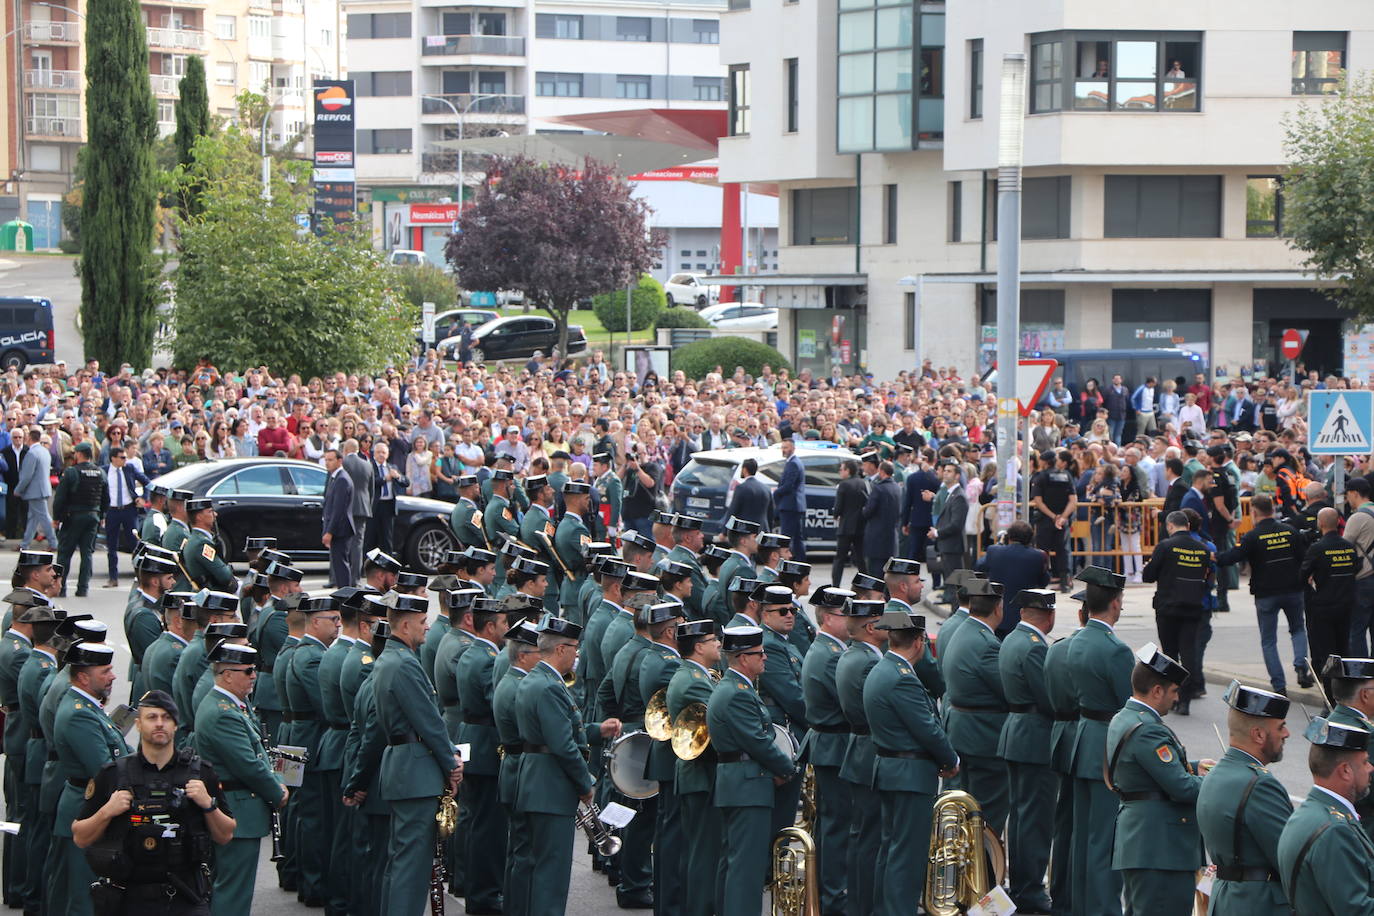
<point>162,832</point>
<point>88,486</point>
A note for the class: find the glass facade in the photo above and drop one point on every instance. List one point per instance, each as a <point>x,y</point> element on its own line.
<point>890,75</point>
<point>1116,71</point>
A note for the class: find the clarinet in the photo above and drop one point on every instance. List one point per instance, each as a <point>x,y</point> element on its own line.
<point>272,813</point>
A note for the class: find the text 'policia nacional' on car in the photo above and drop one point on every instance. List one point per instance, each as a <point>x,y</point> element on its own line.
<point>26,331</point>
<point>702,488</point>
<point>285,498</point>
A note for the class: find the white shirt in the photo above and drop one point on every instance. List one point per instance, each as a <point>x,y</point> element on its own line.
<point>240,703</point>
<point>98,704</point>
<point>114,479</point>
<point>1110,628</point>
<point>983,622</point>
<point>1145,707</point>
<point>839,642</point>
<point>1031,626</point>
<point>1340,798</point>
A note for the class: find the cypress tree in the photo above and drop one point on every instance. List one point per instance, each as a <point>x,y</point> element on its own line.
<point>119,210</point>
<point>193,122</point>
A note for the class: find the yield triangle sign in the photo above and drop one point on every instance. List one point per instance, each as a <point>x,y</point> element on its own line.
<point>1341,429</point>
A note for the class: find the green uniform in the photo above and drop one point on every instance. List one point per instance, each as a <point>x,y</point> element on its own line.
<point>230,740</point>
<point>499,520</point>
<point>142,626</point>
<point>588,597</point>
<point>332,742</point>
<point>1064,699</point>
<point>314,813</point>
<point>657,666</point>
<point>696,601</point>
<point>803,630</point>
<point>619,697</point>
<point>549,784</point>
<point>414,773</point>
<point>160,661</point>
<point>902,718</point>
<point>694,781</point>
<point>1348,715</point>
<point>1335,876</point>
<point>747,760</point>
<point>51,787</point>
<point>515,889</point>
<point>825,746</point>
<point>78,504</point>
<point>202,562</point>
<point>977,707</point>
<point>572,535</point>
<point>1025,746</point>
<point>267,636</point>
<point>288,870</point>
<point>612,492</point>
<point>153,528</point>
<point>362,769</point>
<point>780,688</point>
<point>35,832</point>
<point>483,846</point>
<point>518,500</point>
<point>737,565</point>
<point>430,646</point>
<point>926,667</point>
<point>14,650</point>
<point>1100,668</point>
<point>466,522</point>
<point>1241,811</point>
<point>947,631</point>
<point>191,664</point>
<point>172,538</point>
<point>865,827</point>
<point>84,740</point>
<point>537,531</point>
<point>455,642</point>
<point>1157,848</point>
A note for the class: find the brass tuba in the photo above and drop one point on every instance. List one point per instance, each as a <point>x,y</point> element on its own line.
<point>795,885</point>
<point>965,857</point>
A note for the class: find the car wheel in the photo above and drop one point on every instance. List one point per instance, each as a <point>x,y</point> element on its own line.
<point>478,356</point>
<point>669,297</point>
<point>13,359</point>
<point>426,546</point>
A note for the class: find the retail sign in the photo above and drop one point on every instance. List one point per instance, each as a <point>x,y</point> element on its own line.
<point>1194,336</point>
<point>334,123</point>
<point>679,173</point>
<point>433,214</point>
<point>430,193</point>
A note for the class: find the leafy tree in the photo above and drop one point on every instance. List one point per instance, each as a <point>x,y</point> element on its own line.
<point>703,356</point>
<point>557,234</point>
<point>1328,193</point>
<point>421,283</point>
<point>119,272</point>
<point>253,288</point>
<point>646,305</point>
<point>193,122</point>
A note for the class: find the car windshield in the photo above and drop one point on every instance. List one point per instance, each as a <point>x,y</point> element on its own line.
<point>704,472</point>
<point>772,471</point>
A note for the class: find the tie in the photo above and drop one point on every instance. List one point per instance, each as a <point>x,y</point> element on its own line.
<point>119,488</point>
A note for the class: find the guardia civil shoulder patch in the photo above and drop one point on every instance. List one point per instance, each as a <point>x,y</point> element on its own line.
<point>208,552</point>
<point>1165,753</point>
<point>90,788</point>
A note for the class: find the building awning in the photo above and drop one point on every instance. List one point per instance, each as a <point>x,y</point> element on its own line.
<point>1138,277</point>
<point>785,280</point>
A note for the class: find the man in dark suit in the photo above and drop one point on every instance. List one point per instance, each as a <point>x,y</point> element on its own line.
<point>921,487</point>
<point>387,484</point>
<point>14,503</point>
<point>359,471</point>
<point>751,499</point>
<point>1197,498</point>
<point>789,498</point>
<point>124,482</point>
<point>1174,489</point>
<point>949,512</point>
<point>850,497</point>
<point>1017,565</point>
<point>337,521</point>
<point>881,518</point>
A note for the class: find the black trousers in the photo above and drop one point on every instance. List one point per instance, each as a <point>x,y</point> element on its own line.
<point>380,526</point>
<point>1178,639</point>
<point>1328,633</point>
<point>15,514</point>
<point>848,548</point>
<point>1051,540</point>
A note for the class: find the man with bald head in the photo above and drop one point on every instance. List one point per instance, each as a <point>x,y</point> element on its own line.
<point>1328,572</point>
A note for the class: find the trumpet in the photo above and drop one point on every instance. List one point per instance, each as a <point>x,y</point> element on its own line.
<point>589,819</point>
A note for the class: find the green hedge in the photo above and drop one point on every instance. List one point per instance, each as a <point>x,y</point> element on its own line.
<point>703,356</point>
<point>645,307</point>
<point>679,317</point>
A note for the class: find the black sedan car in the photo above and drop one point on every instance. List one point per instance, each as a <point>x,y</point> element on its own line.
<point>285,498</point>
<point>518,336</point>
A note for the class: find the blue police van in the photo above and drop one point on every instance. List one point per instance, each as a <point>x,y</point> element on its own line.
<point>702,488</point>
<point>26,331</point>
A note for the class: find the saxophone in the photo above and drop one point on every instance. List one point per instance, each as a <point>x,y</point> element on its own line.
<point>795,884</point>
<point>445,820</point>
<point>963,855</point>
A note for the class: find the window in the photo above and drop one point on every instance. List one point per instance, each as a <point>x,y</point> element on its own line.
<point>224,73</point>
<point>491,23</point>
<point>378,25</point>
<point>174,65</point>
<point>166,111</point>
<point>227,27</point>
<point>956,211</point>
<point>1115,71</point>
<point>890,76</point>
<point>558,84</point>
<point>706,31</point>
<point>1318,62</point>
<point>739,100</point>
<point>632,28</point>
<point>632,87</point>
<point>383,83</point>
<point>49,105</point>
<point>909,319</point>
<point>259,72</point>
<point>307,481</point>
<point>567,27</point>
<point>259,26</point>
<point>889,214</point>
<point>975,78</point>
<point>1264,207</point>
<point>455,23</point>
<point>1045,208</point>
<point>384,142</point>
<point>1163,206</point>
<point>708,88</point>
<point>326,37</point>
<point>255,481</point>
<point>824,216</point>
<point>793,94</point>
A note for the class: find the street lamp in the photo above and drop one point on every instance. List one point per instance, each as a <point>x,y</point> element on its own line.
<point>1010,145</point>
<point>459,115</point>
<point>262,132</point>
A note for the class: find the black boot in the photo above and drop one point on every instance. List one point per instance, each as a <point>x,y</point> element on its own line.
<point>1305,678</point>
<point>1181,707</point>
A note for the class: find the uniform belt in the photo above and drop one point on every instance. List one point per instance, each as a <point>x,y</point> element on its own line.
<point>997,709</point>
<point>305,717</point>
<point>338,726</point>
<point>479,720</point>
<point>538,749</point>
<point>860,730</point>
<point>831,729</point>
<point>288,716</point>
<point>1020,707</point>
<point>52,755</point>
<point>402,740</point>
<point>903,755</point>
<point>511,750</point>
<point>1097,716</point>
<point>77,783</point>
<point>233,785</point>
<point>1066,717</point>
<point>732,757</point>
<point>1241,873</point>
<point>35,734</point>
<point>1143,796</point>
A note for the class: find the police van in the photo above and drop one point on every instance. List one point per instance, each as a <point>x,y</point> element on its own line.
<point>703,487</point>
<point>26,331</point>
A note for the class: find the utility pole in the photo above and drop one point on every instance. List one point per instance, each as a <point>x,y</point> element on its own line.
<point>1010,143</point>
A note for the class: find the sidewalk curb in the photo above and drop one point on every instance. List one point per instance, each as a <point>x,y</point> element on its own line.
<point>1310,697</point>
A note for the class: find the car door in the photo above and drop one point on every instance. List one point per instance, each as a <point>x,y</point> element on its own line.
<point>822,479</point>
<point>254,500</point>
<point>307,483</point>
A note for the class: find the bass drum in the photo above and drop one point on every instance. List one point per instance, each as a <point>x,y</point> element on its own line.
<point>628,761</point>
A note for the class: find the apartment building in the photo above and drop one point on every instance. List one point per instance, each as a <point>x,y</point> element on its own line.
<point>1152,202</point>
<point>272,46</point>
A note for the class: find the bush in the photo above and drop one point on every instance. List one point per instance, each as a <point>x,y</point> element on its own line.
<point>646,305</point>
<point>697,359</point>
<point>679,317</point>
<point>421,283</point>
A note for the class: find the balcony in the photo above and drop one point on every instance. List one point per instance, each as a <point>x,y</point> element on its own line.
<point>165,85</point>
<point>446,161</point>
<point>177,39</point>
<point>470,104</point>
<point>52,79</point>
<point>52,32</point>
<point>491,45</point>
<point>53,127</point>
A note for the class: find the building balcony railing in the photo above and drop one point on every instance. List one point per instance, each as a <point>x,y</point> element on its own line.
<point>479,103</point>
<point>165,85</point>
<point>52,79</point>
<point>181,39</point>
<point>449,45</point>
<point>53,127</point>
<point>44,32</point>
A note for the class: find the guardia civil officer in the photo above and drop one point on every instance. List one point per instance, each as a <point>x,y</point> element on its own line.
<point>150,820</point>
<point>178,529</point>
<point>1328,571</point>
<point>657,665</point>
<point>200,558</point>
<point>1149,770</point>
<point>1326,862</point>
<point>1180,567</point>
<point>211,608</point>
<point>741,536</point>
<point>865,826</point>
<point>14,652</point>
<point>912,752</point>
<point>537,529</point>
<point>1242,807</point>
<point>780,688</point>
<point>155,570</point>
<point>79,503</point>
<point>35,829</point>
<point>1352,690</point>
<point>361,783</point>
<point>748,764</point>
<point>902,579</point>
<point>522,650</point>
<point>465,521</point>
<point>498,518</point>
<point>957,580</point>
<point>268,636</point>
<point>569,542</point>
<point>688,540</point>
<point>695,772</point>
<point>1064,699</point>
<point>155,521</point>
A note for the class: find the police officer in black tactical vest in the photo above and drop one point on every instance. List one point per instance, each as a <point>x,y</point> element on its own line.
<point>150,821</point>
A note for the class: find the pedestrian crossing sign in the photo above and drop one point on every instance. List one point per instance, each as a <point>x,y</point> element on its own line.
<point>1340,422</point>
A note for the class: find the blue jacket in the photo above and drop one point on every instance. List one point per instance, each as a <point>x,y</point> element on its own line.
<point>790,493</point>
<point>1137,402</point>
<point>1192,499</point>
<point>337,518</point>
<point>751,500</point>
<point>915,509</point>
<point>1016,566</point>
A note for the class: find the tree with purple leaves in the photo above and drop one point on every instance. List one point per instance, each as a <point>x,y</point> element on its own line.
<point>558,234</point>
